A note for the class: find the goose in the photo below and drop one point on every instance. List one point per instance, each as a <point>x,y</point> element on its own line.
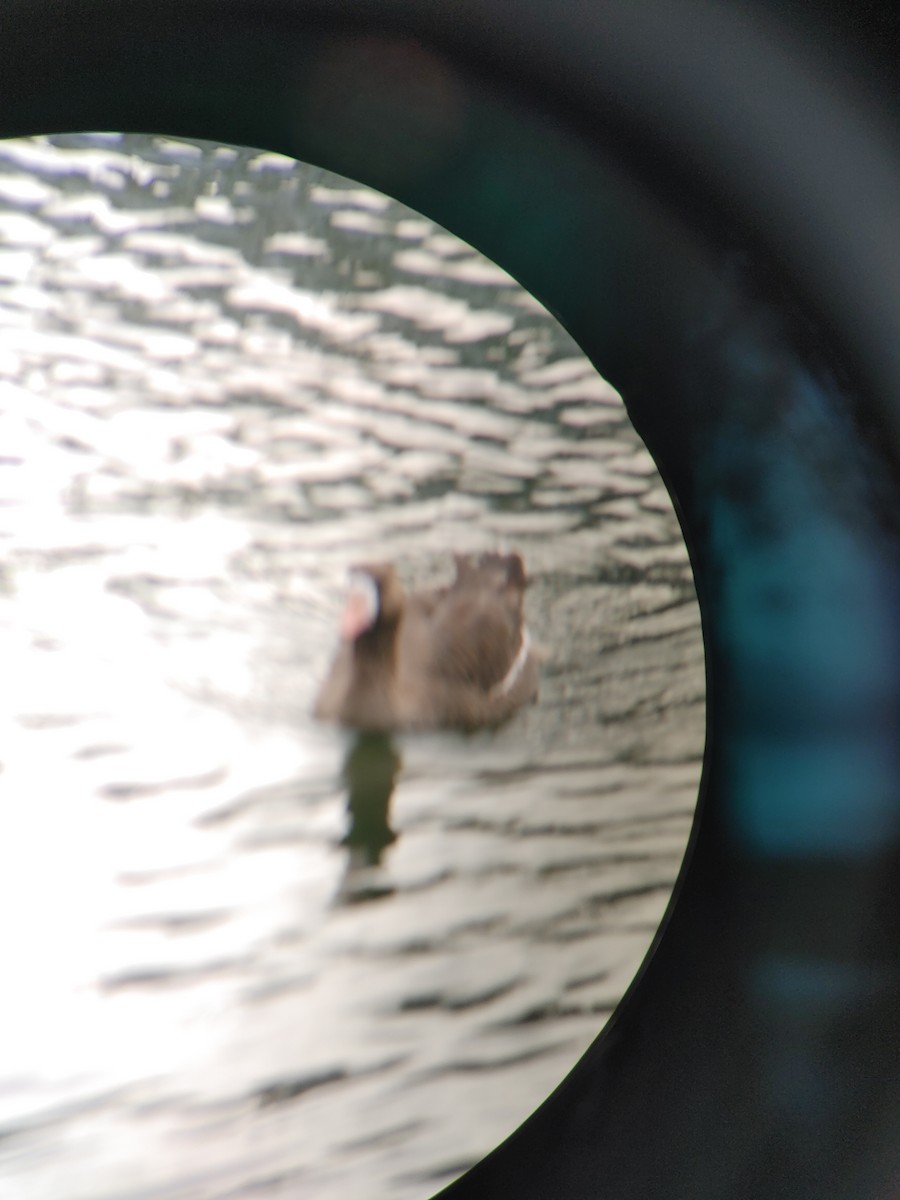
<point>454,657</point>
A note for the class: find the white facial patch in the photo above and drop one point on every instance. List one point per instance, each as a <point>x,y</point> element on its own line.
<point>362,605</point>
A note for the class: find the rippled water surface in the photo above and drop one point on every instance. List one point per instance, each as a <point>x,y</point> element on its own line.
<point>233,966</point>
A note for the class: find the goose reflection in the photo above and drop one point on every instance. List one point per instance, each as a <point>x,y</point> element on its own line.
<point>370,774</point>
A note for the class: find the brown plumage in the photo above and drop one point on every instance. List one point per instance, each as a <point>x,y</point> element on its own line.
<point>452,657</point>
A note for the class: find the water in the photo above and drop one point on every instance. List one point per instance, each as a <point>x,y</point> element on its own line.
<point>233,966</point>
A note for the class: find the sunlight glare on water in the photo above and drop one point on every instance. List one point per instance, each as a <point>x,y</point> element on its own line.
<point>231,970</point>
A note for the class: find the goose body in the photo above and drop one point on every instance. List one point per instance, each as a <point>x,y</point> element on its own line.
<point>456,657</point>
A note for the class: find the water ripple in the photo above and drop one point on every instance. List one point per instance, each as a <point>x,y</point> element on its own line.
<point>224,377</point>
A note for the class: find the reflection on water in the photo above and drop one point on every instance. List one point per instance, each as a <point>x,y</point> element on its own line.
<point>370,772</point>
<point>245,953</point>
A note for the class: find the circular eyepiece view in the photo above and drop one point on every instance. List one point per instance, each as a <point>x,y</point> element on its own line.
<point>354,695</point>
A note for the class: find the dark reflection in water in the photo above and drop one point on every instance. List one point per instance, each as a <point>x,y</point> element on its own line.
<point>370,773</point>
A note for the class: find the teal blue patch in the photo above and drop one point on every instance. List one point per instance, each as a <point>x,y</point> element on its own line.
<point>813,796</point>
